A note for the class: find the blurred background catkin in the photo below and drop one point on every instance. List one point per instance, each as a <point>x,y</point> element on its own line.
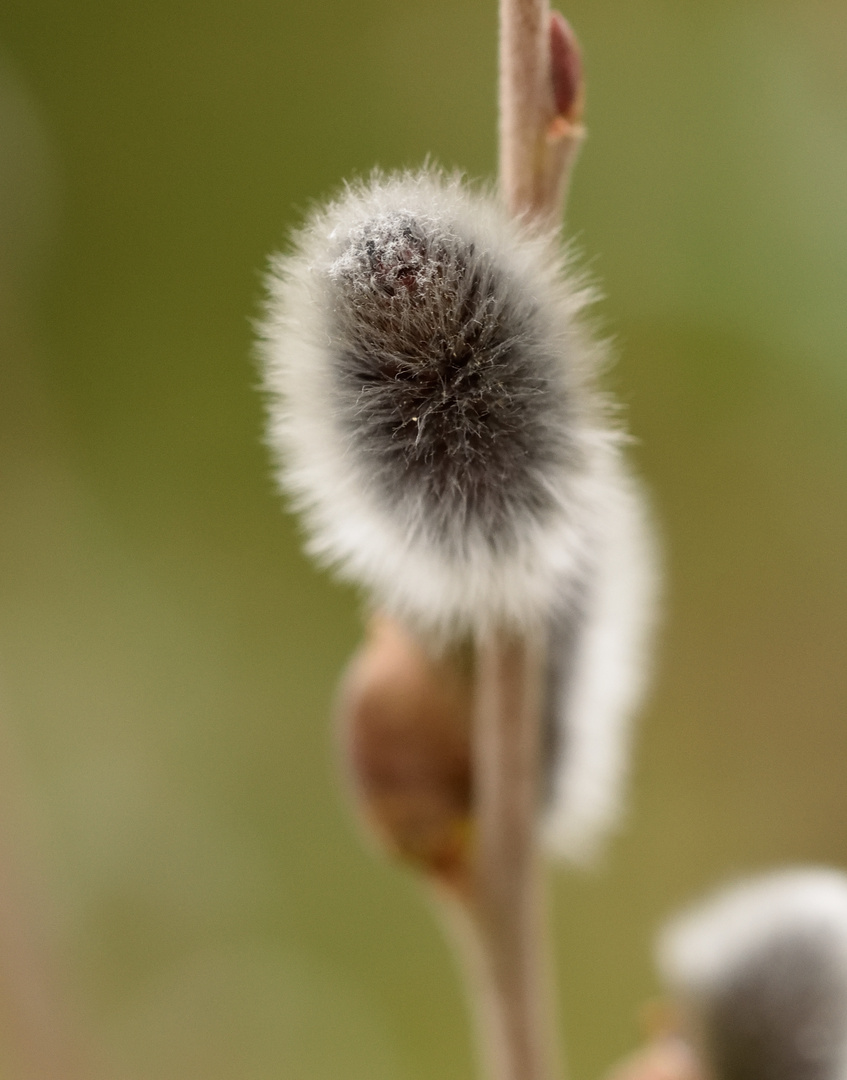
<point>168,658</point>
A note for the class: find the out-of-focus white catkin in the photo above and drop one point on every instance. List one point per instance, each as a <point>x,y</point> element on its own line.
<point>761,972</point>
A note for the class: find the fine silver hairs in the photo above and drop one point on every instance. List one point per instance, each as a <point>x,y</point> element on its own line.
<point>435,417</point>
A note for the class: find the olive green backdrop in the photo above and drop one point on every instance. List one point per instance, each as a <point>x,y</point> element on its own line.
<point>168,657</point>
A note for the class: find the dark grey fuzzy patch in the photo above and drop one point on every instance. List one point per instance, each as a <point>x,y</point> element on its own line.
<point>447,380</point>
<point>783,1015</point>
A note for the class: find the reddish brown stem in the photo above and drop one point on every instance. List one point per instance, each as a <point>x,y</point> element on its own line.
<point>506,911</point>
<point>541,97</point>
<point>467,815</point>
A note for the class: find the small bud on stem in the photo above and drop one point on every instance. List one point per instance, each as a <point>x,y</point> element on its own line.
<point>403,719</point>
<point>541,98</point>
<point>540,77</point>
<point>565,71</point>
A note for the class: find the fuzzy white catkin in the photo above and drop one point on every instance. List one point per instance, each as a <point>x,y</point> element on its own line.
<point>762,969</point>
<point>434,414</point>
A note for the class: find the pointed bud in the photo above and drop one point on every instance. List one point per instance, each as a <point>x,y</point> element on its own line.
<point>404,725</point>
<point>566,70</point>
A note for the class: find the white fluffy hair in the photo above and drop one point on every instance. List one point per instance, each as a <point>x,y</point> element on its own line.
<point>592,706</point>
<point>763,966</point>
<point>434,414</point>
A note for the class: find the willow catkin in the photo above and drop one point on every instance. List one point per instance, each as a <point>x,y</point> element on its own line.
<point>761,971</point>
<point>434,414</point>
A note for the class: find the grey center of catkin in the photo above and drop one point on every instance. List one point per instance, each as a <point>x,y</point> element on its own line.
<point>445,383</point>
<point>782,1017</point>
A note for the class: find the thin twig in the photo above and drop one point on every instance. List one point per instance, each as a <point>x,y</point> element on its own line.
<point>467,816</point>
<point>541,99</point>
<point>541,95</point>
<point>513,984</point>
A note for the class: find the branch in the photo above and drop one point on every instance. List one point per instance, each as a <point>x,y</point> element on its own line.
<point>444,752</point>
<point>541,102</point>
<point>541,96</point>
<point>515,1018</point>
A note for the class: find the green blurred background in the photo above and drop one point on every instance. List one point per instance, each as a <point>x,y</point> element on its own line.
<point>168,658</point>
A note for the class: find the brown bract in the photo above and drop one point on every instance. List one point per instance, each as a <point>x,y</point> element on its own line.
<point>404,720</point>
<point>566,70</point>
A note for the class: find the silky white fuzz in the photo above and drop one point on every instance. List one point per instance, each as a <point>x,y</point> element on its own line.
<point>762,969</point>
<point>594,698</point>
<point>435,417</point>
